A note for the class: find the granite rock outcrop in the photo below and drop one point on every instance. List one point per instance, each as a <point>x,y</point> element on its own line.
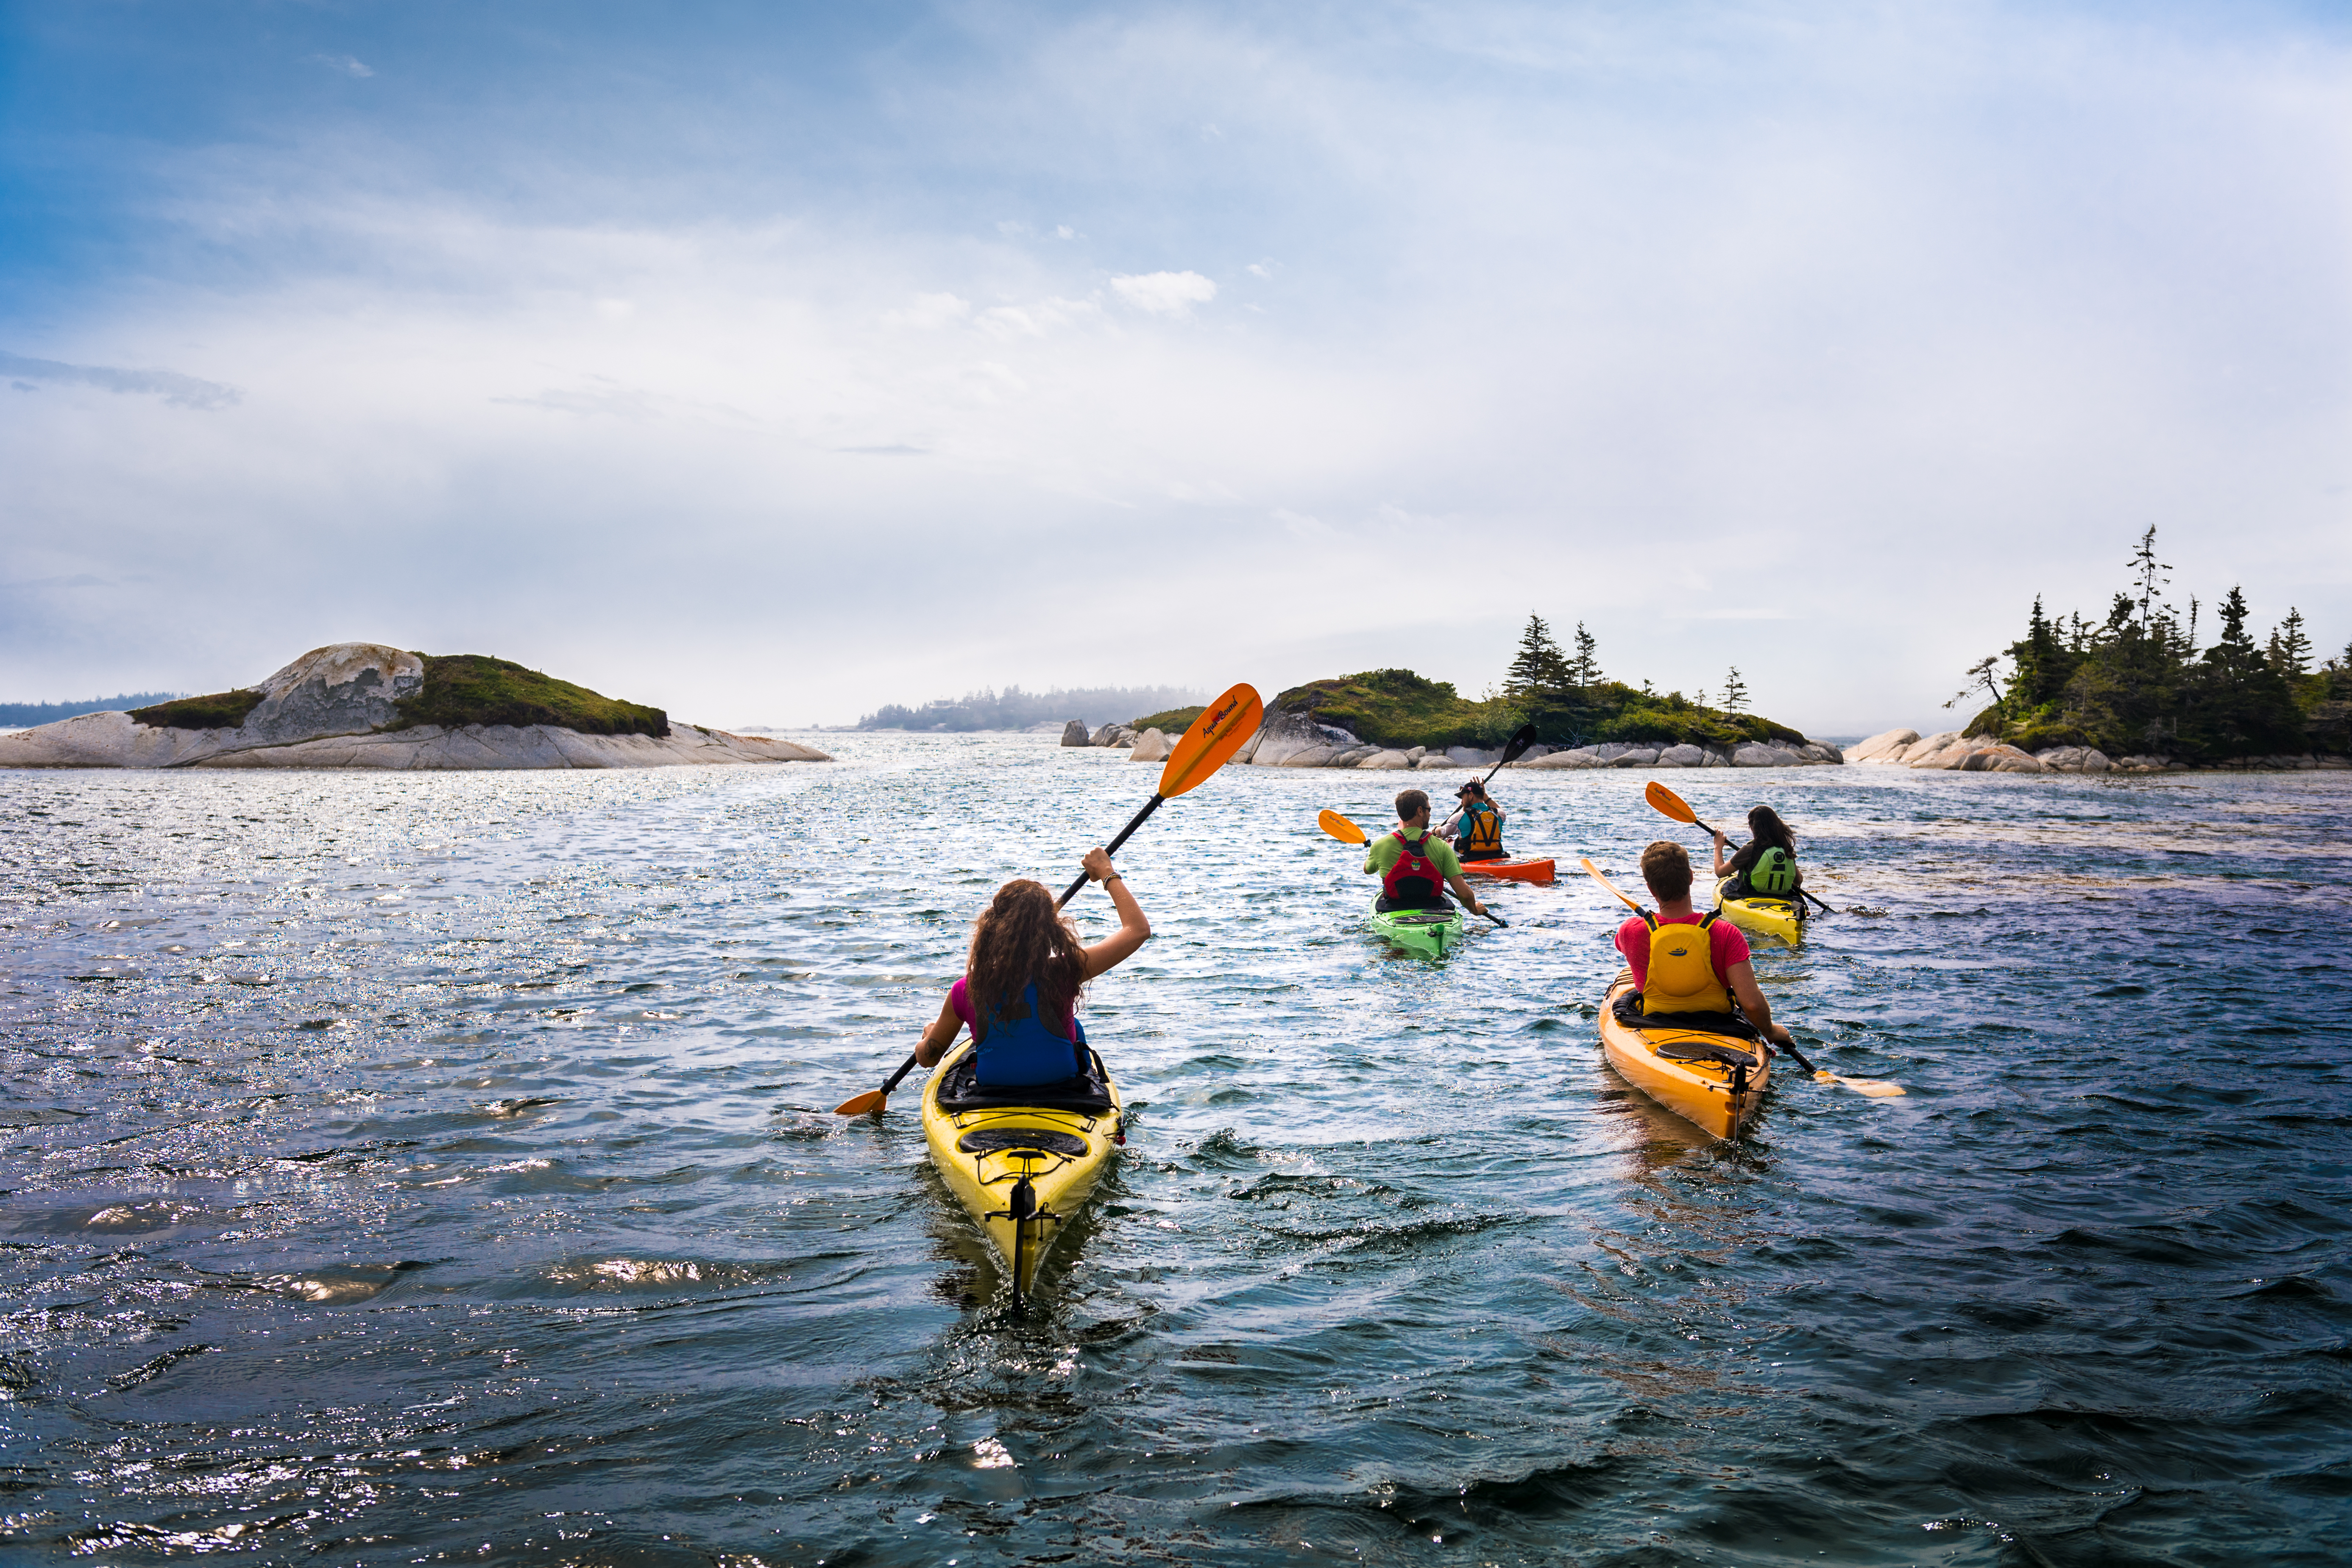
<point>335,707</point>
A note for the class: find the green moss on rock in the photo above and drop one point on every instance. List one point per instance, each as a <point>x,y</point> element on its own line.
<point>475,688</point>
<point>1170,721</point>
<point>1398,708</point>
<point>221,710</point>
<point>1390,708</point>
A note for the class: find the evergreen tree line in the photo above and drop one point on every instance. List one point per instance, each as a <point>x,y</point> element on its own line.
<point>1571,701</point>
<point>1013,709</point>
<point>2137,682</point>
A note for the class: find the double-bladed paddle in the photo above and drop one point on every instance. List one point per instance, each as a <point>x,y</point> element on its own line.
<point>1521,739</point>
<point>1214,736</point>
<point>1876,1089</point>
<point>1347,832</point>
<point>1671,805</point>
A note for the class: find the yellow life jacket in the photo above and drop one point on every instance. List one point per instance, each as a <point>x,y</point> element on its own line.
<point>1481,831</point>
<point>1681,977</point>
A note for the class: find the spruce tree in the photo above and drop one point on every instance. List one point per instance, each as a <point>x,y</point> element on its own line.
<point>2150,574</point>
<point>2290,649</point>
<point>1538,666</point>
<point>1735,692</point>
<point>1585,668</point>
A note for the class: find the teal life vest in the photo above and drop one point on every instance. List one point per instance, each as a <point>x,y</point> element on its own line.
<point>1014,1047</point>
<point>1774,875</point>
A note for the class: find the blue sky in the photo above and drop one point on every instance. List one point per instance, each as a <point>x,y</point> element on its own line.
<point>770,362</point>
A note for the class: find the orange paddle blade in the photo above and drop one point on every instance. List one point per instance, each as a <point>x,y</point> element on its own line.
<point>1876,1088</point>
<point>1340,828</point>
<point>1668,802</point>
<point>859,1104</point>
<point>1594,872</point>
<point>1215,735</point>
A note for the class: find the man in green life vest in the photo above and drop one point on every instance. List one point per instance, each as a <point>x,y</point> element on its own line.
<point>1475,829</point>
<point>1414,865</point>
<point>1765,866</point>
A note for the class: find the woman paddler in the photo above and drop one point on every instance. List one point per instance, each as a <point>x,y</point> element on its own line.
<point>1020,988</point>
<point>1765,866</point>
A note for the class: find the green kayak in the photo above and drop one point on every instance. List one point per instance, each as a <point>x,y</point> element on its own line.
<point>1430,932</point>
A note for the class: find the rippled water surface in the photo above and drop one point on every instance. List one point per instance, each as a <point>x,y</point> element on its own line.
<point>422,1168</point>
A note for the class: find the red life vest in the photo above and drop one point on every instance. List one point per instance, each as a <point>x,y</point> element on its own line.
<point>1413,865</point>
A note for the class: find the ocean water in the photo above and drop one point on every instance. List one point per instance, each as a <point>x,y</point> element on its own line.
<point>421,1169</point>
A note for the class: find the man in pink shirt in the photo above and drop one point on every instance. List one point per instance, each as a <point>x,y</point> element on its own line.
<point>1667,870</point>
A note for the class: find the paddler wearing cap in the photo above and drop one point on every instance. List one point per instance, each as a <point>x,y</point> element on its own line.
<point>1476,829</point>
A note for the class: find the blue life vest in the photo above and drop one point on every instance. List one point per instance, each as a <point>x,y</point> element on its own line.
<point>1018,1049</point>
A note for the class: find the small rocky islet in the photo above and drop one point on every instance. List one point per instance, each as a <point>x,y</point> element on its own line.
<point>370,705</point>
<point>1296,734</point>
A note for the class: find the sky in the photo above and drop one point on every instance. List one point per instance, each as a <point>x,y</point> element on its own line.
<point>772,362</point>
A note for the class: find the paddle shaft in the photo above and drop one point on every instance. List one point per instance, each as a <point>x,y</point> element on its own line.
<point>904,1069</point>
<point>1112,847</point>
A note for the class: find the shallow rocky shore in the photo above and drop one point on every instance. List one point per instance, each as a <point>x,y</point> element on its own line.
<point>1952,752</point>
<point>330,709</point>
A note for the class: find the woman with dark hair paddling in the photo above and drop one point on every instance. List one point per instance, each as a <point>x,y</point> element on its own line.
<point>1020,990</point>
<point>1765,866</point>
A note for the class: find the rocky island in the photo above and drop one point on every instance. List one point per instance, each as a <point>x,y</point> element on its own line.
<point>1394,719</point>
<point>368,705</point>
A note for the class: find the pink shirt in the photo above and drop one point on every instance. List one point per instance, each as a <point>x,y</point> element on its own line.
<point>1067,1026</point>
<point>1725,947</point>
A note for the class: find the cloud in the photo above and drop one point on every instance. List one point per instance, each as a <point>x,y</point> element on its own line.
<point>1647,317</point>
<point>180,391</point>
<point>621,402</point>
<point>1164,293</point>
<point>343,63</point>
<point>929,311</point>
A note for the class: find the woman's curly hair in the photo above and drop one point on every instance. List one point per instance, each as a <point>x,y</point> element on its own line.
<point>1022,937</point>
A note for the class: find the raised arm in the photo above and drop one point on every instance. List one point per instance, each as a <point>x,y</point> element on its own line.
<point>1722,866</point>
<point>1133,928</point>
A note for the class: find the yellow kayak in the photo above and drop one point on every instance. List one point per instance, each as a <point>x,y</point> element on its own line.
<point>1715,1081</point>
<point>1760,916</point>
<point>1021,1160</point>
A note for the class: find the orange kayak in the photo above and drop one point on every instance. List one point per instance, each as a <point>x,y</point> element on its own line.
<point>1515,870</point>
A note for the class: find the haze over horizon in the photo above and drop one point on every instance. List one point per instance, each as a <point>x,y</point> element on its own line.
<point>772,366</point>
